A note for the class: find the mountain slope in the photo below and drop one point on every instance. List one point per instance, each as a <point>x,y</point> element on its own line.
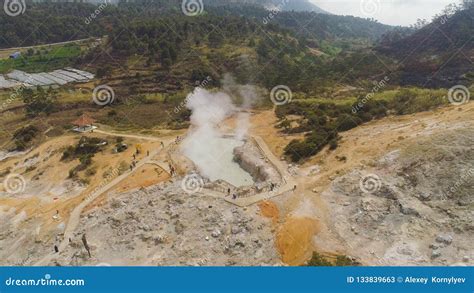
<point>439,54</point>
<point>438,37</point>
<point>280,5</point>
<point>296,5</point>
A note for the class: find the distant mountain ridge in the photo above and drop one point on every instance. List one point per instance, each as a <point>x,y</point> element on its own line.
<point>438,54</point>
<point>283,5</point>
<point>294,5</point>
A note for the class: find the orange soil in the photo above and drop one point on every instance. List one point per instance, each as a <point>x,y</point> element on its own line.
<point>263,125</point>
<point>145,176</point>
<point>270,210</point>
<point>360,146</point>
<point>294,240</point>
<point>56,171</point>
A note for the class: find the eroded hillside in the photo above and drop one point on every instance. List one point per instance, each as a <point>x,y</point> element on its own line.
<point>396,191</point>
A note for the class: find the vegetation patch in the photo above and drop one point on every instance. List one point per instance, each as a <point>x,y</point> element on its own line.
<point>43,59</point>
<point>85,150</point>
<point>321,121</point>
<point>318,260</point>
<point>24,137</point>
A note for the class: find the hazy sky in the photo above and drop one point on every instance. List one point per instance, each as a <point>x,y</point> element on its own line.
<point>394,12</point>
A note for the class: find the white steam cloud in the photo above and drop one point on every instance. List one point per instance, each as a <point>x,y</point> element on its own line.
<point>204,144</point>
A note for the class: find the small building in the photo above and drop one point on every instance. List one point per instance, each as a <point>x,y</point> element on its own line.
<point>84,124</point>
<point>15,55</point>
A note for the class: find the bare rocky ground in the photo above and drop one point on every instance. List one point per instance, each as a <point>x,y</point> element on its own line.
<point>164,226</point>
<point>20,243</point>
<point>415,206</point>
<point>251,159</point>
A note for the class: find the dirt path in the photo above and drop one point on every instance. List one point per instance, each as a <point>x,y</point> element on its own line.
<point>9,50</point>
<point>304,219</point>
<point>287,181</point>
<point>76,213</point>
<point>150,138</point>
<point>358,148</point>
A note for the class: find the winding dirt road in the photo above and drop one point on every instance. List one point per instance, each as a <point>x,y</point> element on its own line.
<point>76,213</point>
<point>75,216</point>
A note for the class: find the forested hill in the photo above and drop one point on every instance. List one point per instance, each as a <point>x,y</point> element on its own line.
<point>66,21</point>
<point>299,5</point>
<point>445,47</point>
<point>280,5</point>
<point>443,34</point>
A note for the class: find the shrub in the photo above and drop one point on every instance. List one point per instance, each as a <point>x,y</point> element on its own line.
<point>298,150</point>
<point>84,151</point>
<point>85,160</point>
<point>72,173</point>
<point>30,168</point>
<point>344,261</point>
<point>38,102</point>
<point>317,260</point>
<point>346,122</point>
<point>91,171</point>
<point>123,167</point>
<point>68,153</point>
<point>88,145</point>
<point>24,136</point>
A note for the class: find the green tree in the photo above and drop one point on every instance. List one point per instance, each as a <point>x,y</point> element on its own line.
<point>38,101</point>
<point>104,71</point>
<point>215,39</point>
